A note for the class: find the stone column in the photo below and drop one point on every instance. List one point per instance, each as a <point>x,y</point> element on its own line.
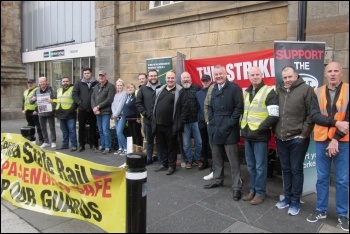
<point>107,52</point>
<point>13,74</point>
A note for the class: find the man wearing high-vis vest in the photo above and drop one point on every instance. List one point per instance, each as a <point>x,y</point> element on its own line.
<point>260,114</point>
<point>66,113</point>
<point>330,112</point>
<point>30,109</point>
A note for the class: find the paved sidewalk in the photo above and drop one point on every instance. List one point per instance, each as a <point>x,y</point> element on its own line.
<point>178,203</point>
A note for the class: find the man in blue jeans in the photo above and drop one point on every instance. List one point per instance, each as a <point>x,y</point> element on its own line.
<point>330,112</point>
<point>292,131</point>
<point>191,124</point>
<point>101,102</point>
<point>260,114</point>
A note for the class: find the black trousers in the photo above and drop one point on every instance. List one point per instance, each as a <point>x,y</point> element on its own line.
<point>167,144</point>
<point>89,118</point>
<point>33,121</point>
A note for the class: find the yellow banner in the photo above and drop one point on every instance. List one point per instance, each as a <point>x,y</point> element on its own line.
<point>59,184</point>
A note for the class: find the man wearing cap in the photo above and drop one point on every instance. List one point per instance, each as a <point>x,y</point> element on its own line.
<point>101,102</point>
<point>30,110</point>
<point>81,93</point>
<point>200,95</point>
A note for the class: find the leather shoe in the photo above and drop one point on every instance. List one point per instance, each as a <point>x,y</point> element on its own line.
<point>203,166</point>
<point>81,149</point>
<point>249,196</point>
<point>257,200</point>
<point>161,168</point>
<point>62,148</point>
<point>237,195</point>
<point>170,171</point>
<point>212,185</point>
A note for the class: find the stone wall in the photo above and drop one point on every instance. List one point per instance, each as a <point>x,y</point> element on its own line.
<point>13,76</point>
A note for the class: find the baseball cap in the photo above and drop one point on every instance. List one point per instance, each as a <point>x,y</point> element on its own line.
<point>30,81</point>
<point>206,77</point>
<point>102,72</point>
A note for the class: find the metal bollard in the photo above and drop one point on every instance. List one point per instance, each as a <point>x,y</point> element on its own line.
<point>136,193</point>
<point>28,133</point>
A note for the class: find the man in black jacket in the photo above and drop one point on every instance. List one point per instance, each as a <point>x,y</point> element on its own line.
<point>225,110</point>
<point>144,104</point>
<point>82,96</point>
<point>169,115</point>
<point>260,114</point>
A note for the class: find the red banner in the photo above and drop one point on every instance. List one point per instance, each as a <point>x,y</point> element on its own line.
<point>237,67</point>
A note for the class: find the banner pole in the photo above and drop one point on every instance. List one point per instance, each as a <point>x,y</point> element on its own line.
<point>136,193</point>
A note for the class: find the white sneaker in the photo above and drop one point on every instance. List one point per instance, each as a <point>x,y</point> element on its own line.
<point>209,177</point>
<point>34,142</point>
<point>53,145</point>
<point>44,145</point>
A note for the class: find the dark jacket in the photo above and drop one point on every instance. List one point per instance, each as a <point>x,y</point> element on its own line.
<point>201,94</point>
<point>294,107</point>
<point>264,131</point>
<point>328,121</point>
<point>144,101</point>
<point>192,103</point>
<point>69,113</point>
<point>180,109</point>
<point>225,110</point>
<point>82,94</point>
<point>52,95</point>
<point>130,110</point>
<point>103,96</point>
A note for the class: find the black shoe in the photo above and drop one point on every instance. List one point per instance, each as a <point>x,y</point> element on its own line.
<point>203,166</point>
<point>161,168</point>
<point>62,148</point>
<point>237,195</point>
<point>170,171</point>
<point>73,149</point>
<point>149,162</point>
<point>212,185</point>
<point>81,149</point>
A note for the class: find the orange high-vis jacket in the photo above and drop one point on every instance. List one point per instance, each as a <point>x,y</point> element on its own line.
<point>323,133</point>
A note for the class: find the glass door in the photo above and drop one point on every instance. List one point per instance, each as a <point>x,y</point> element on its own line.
<point>61,68</point>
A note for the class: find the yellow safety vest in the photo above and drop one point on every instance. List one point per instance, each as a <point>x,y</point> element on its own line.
<point>27,95</point>
<point>64,99</point>
<point>256,111</point>
<point>323,133</point>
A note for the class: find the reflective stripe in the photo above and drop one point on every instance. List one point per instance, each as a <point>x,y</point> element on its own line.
<point>322,133</point>
<point>255,112</point>
<point>136,175</point>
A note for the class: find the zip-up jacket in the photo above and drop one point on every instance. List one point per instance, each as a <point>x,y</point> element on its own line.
<point>82,94</point>
<point>52,95</point>
<point>102,96</point>
<point>326,115</point>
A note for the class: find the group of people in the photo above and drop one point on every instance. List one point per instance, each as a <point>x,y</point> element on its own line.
<point>215,115</point>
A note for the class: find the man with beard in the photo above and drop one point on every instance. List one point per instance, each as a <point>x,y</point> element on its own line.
<point>66,113</point>
<point>144,104</point>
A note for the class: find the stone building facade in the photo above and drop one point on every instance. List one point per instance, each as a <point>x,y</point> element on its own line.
<point>128,32</point>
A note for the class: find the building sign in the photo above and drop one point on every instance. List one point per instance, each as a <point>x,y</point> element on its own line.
<point>54,53</point>
<point>161,65</point>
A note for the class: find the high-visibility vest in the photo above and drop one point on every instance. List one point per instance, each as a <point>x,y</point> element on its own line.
<point>27,95</point>
<point>255,112</point>
<point>64,99</point>
<point>323,133</point>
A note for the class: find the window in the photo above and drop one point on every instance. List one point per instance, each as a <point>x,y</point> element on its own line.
<point>154,4</point>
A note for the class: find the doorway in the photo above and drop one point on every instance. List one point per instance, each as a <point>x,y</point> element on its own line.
<point>61,68</point>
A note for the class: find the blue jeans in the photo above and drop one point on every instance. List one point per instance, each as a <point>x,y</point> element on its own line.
<point>256,153</point>
<point>341,174</point>
<point>69,132</point>
<point>119,128</point>
<point>292,156</point>
<point>103,128</point>
<point>186,139</point>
